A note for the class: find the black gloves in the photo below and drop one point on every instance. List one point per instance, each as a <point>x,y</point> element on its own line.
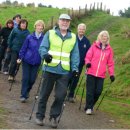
<point>112,78</point>
<point>48,58</point>
<point>88,65</point>
<point>75,73</point>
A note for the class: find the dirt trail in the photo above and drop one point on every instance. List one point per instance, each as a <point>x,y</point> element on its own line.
<point>72,118</point>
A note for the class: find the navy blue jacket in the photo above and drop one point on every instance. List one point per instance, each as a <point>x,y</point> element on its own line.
<point>29,51</point>
<point>84,45</point>
<point>17,38</point>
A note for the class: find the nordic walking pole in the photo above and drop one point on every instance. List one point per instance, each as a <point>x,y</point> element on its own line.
<point>17,69</point>
<point>78,87</point>
<point>82,97</point>
<point>36,97</point>
<point>103,96</point>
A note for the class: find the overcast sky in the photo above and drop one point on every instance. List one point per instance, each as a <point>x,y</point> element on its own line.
<point>114,5</point>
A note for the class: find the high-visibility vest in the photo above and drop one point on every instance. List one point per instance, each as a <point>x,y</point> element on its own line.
<point>60,50</point>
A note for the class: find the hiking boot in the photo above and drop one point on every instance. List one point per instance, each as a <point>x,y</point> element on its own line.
<point>54,122</point>
<point>10,78</point>
<point>89,111</point>
<point>71,100</point>
<point>23,100</point>
<point>39,122</point>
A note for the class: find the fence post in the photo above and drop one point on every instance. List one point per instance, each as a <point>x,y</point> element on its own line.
<point>94,6</point>
<point>97,6</point>
<point>72,13</point>
<point>90,7</point>
<point>52,19</point>
<point>85,9</point>
<point>101,6</point>
<point>79,11</point>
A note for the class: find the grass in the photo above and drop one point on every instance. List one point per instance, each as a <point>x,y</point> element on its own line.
<point>2,118</point>
<point>117,109</point>
<point>31,14</point>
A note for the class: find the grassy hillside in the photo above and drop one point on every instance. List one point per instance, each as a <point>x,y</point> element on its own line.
<point>31,14</point>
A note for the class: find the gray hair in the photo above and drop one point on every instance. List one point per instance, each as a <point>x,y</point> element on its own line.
<point>82,24</point>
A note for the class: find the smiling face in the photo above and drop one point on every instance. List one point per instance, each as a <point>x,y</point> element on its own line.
<point>39,27</point>
<point>17,19</point>
<point>81,30</point>
<point>64,24</point>
<point>10,25</point>
<point>23,25</point>
<point>104,38</point>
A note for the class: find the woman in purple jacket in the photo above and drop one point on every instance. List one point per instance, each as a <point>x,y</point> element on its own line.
<point>31,59</point>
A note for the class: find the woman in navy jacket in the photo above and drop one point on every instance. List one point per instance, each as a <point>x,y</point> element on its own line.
<point>31,59</point>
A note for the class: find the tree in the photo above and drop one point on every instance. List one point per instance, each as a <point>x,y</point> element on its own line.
<point>30,5</point>
<point>126,13</point>
<point>15,3</point>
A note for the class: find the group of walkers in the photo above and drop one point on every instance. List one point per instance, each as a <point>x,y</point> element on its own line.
<point>62,55</point>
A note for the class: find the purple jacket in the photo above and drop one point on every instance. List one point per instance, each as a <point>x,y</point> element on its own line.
<point>29,51</point>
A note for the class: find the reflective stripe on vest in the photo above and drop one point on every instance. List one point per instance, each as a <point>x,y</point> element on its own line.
<point>60,50</point>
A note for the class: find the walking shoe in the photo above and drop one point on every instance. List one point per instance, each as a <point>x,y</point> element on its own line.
<point>23,100</point>
<point>6,73</point>
<point>10,78</point>
<point>54,122</point>
<point>89,111</point>
<point>39,122</point>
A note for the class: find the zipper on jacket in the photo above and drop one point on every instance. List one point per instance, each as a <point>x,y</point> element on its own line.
<point>99,63</point>
<point>103,56</point>
<point>61,50</point>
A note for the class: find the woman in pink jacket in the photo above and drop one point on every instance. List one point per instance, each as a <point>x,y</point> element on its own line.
<point>98,58</point>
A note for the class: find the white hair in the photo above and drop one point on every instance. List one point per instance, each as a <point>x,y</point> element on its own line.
<point>82,24</point>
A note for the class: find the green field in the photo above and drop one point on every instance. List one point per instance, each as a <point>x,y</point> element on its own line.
<point>117,100</point>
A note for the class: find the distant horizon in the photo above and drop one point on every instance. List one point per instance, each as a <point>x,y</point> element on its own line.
<point>111,4</point>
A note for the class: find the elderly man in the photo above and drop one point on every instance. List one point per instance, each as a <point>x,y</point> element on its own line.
<point>59,49</point>
<point>84,45</point>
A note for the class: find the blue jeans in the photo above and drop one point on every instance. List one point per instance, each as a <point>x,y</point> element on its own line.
<point>94,89</point>
<point>29,75</point>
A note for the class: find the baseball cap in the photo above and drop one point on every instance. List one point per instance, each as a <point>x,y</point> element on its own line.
<point>65,16</point>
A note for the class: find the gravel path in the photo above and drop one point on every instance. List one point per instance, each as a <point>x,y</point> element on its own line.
<point>18,113</point>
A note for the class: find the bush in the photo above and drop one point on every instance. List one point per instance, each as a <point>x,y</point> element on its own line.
<point>126,58</point>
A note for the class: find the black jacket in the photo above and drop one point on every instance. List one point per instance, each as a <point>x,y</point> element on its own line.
<point>4,34</point>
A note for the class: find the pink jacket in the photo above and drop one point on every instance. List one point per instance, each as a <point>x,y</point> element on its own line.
<point>100,60</point>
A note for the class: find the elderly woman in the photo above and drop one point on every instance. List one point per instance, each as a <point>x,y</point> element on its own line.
<point>15,42</point>
<point>99,56</point>
<point>31,59</point>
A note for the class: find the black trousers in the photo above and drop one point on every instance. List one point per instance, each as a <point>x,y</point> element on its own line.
<point>2,53</point>
<point>94,89</point>
<point>74,81</point>
<point>60,83</point>
<point>13,63</point>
